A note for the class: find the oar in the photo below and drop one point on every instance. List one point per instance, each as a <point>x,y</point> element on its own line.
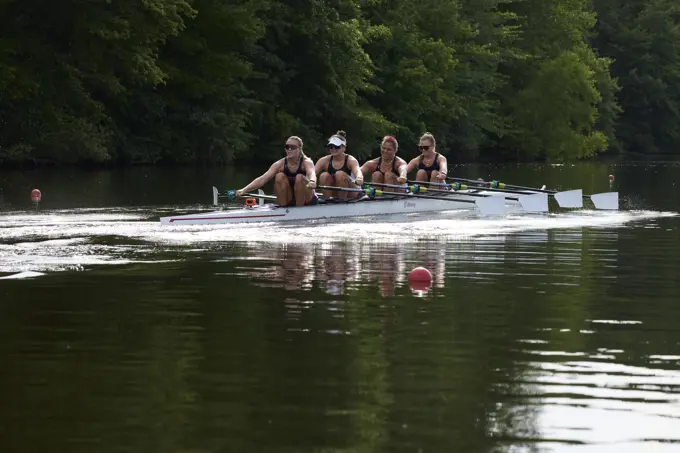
<point>529,202</point>
<point>486,205</point>
<point>566,199</point>
<point>231,195</point>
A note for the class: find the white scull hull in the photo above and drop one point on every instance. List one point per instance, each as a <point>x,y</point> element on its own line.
<point>273,213</point>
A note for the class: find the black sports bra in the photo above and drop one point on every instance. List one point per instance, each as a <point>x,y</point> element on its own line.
<point>434,166</point>
<point>394,166</point>
<point>331,170</point>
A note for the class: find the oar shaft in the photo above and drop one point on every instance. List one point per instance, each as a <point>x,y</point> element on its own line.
<point>349,189</point>
<point>250,195</point>
<point>417,188</point>
<point>495,185</point>
<point>231,195</point>
<point>488,189</point>
<point>411,195</point>
<point>391,186</point>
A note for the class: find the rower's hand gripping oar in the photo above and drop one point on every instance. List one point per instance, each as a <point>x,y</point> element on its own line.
<point>566,199</point>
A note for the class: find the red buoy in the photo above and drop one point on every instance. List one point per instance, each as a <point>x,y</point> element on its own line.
<point>36,196</point>
<point>420,275</point>
<point>611,178</point>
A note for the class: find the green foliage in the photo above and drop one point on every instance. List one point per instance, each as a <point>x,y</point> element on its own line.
<point>65,65</point>
<point>556,111</point>
<point>554,103</point>
<point>641,37</point>
<point>209,81</point>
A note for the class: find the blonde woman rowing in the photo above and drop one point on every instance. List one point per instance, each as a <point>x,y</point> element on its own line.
<point>430,164</point>
<point>295,179</point>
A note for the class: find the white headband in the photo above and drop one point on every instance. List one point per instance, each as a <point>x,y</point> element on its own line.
<point>337,140</point>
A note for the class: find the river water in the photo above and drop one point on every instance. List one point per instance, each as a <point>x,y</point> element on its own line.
<point>541,333</point>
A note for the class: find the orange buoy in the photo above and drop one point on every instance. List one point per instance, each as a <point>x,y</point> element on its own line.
<point>420,275</point>
<point>251,202</point>
<point>36,196</point>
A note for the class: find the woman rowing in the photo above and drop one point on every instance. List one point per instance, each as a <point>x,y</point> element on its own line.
<point>295,179</point>
<point>431,165</point>
<point>338,168</point>
<point>388,168</point>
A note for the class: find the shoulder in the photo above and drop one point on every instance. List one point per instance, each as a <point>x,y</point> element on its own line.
<point>440,156</point>
<point>399,161</point>
<point>322,159</point>
<point>308,160</point>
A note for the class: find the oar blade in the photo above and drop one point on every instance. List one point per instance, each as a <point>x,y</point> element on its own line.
<point>216,194</point>
<point>606,200</point>
<point>570,198</point>
<point>260,201</point>
<point>537,202</point>
<point>492,205</point>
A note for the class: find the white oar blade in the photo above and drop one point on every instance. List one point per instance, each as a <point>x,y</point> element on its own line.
<point>492,205</point>
<point>537,202</point>
<point>606,200</point>
<point>216,193</point>
<point>261,199</point>
<point>570,198</point>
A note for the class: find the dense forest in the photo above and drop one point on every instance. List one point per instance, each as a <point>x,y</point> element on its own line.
<point>212,81</point>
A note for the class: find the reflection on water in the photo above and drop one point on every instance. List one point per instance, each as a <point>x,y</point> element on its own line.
<point>340,267</point>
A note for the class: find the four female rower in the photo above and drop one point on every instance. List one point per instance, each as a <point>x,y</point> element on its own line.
<point>338,168</point>
<point>295,178</point>
<point>431,165</point>
<point>388,168</point>
<point>295,174</point>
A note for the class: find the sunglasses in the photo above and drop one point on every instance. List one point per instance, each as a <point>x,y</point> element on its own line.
<point>424,148</point>
<point>290,147</point>
<point>332,146</point>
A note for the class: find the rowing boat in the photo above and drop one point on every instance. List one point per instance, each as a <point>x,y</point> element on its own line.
<point>495,203</point>
<point>493,199</point>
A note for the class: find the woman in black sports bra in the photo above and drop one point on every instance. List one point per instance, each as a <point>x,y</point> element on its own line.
<point>388,168</point>
<point>338,169</point>
<point>430,164</point>
<point>295,179</point>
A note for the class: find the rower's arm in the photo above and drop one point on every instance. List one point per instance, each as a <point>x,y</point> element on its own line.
<point>320,165</point>
<point>263,179</point>
<point>311,173</point>
<point>402,168</point>
<point>369,166</point>
<point>443,166</point>
<point>412,165</point>
<point>354,167</point>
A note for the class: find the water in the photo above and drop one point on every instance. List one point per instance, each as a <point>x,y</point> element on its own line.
<point>541,333</point>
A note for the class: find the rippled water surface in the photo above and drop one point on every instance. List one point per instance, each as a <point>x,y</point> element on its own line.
<point>540,333</point>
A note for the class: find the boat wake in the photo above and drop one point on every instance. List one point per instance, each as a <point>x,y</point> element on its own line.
<point>63,240</point>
